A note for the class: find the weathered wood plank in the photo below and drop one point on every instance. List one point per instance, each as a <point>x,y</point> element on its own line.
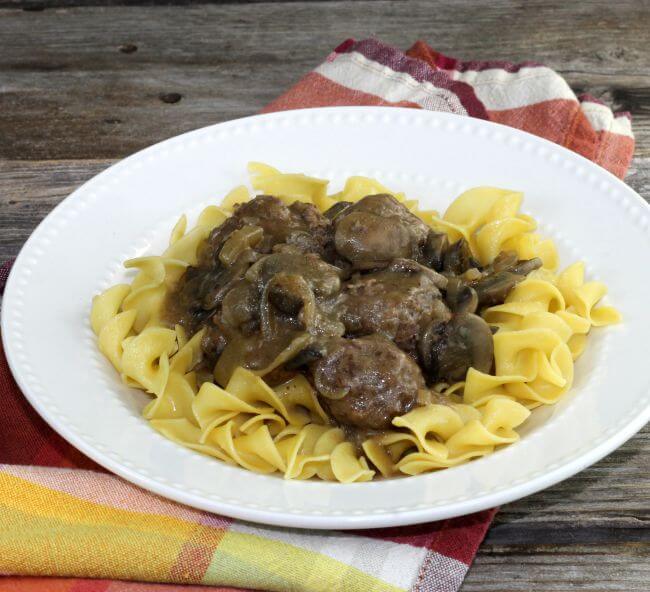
<point>87,82</point>
<point>560,568</point>
<point>29,191</point>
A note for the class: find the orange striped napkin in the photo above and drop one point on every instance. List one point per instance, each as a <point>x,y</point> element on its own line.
<point>528,96</point>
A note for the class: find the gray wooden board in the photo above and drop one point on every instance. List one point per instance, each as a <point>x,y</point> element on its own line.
<point>67,91</point>
<point>75,96</point>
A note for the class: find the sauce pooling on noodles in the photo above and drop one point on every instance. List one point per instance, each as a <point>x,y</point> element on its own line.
<point>365,300</point>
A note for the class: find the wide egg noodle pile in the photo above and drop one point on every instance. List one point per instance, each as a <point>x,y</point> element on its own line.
<point>543,327</point>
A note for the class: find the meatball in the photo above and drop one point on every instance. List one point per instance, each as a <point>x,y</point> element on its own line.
<point>310,231</point>
<point>396,302</point>
<point>299,225</point>
<point>376,230</point>
<point>213,342</point>
<point>366,382</point>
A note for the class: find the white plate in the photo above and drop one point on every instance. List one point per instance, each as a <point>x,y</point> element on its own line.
<point>129,210</point>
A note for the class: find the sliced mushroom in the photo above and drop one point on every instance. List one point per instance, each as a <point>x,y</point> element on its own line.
<point>448,350</point>
<point>458,258</point>
<point>504,261</point>
<point>214,292</point>
<point>435,249</point>
<point>314,351</point>
<point>288,292</point>
<point>508,261</point>
<point>324,279</point>
<point>408,266</point>
<point>494,288</point>
<point>499,278</point>
<point>524,267</point>
<point>338,208</point>
<point>460,297</point>
<point>287,303</point>
<point>240,305</point>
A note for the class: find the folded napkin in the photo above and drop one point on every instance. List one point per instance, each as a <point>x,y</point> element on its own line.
<point>61,515</point>
<point>527,96</point>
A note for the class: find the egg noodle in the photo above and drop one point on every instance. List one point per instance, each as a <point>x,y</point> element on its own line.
<point>543,327</point>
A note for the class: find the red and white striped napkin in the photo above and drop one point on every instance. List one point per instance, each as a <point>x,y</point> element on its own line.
<point>528,96</point>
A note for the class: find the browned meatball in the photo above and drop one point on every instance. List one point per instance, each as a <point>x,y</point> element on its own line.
<point>285,224</point>
<point>310,231</point>
<point>366,382</point>
<point>397,302</point>
<point>300,225</point>
<point>376,230</point>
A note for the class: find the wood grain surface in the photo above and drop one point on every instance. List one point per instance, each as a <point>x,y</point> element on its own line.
<point>85,83</point>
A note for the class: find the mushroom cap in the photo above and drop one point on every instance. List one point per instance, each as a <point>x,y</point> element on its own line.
<point>324,279</point>
<point>448,349</point>
<point>376,230</point>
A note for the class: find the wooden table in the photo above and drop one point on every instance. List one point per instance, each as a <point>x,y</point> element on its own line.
<point>83,86</point>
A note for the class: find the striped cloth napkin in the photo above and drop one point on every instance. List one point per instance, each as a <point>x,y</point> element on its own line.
<point>527,96</point>
<point>62,516</point>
